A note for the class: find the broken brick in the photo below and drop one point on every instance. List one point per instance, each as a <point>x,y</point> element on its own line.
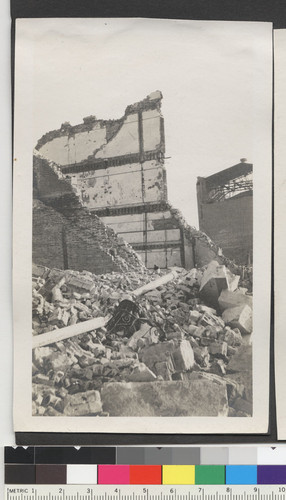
<point>173,335</point>
<point>239,317</point>
<point>218,349</point>
<point>209,319</point>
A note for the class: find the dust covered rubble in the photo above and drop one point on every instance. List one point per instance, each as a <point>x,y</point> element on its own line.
<point>181,349</point>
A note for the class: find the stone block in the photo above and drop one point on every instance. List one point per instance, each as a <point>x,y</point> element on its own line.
<point>195,316</point>
<point>180,352</point>
<point>82,404</point>
<point>40,354</point>
<point>79,284</point>
<point>233,337</point>
<point>164,370</point>
<point>183,357</point>
<point>58,361</point>
<point>193,278</point>
<point>196,331</point>
<point>141,373</point>
<point>192,397</point>
<point>213,281</point>
<point>157,352</point>
<point>239,317</point>
<point>218,349</point>
<point>202,356</point>
<point>229,299</point>
<point>40,378</point>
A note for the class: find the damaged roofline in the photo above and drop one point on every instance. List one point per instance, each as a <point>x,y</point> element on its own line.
<point>152,101</point>
<point>226,175</point>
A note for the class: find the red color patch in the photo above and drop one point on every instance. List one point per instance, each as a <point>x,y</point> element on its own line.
<point>145,474</point>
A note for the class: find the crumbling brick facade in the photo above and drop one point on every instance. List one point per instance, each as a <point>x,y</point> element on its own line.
<point>66,235</point>
<point>115,170</point>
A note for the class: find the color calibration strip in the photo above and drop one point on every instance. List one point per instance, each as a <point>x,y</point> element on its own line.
<point>145,474</point>
<point>188,465</point>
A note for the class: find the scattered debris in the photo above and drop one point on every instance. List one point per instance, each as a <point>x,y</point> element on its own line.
<point>131,344</point>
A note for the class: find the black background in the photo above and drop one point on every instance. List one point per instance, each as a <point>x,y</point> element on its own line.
<point>226,10</point>
<point>238,10</point>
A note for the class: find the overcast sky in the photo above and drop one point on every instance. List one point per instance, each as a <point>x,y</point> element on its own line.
<point>213,77</point>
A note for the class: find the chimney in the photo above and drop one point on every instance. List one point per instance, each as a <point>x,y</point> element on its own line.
<point>243,160</point>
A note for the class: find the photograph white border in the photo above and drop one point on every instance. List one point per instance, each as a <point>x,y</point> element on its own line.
<point>26,37</point>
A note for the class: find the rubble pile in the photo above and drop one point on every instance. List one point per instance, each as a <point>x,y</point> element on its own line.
<point>171,345</point>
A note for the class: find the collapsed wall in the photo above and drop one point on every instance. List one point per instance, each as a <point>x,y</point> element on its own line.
<point>115,168</point>
<point>66,235</point>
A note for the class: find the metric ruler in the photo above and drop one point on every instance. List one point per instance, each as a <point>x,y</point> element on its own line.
<point>157,492</point>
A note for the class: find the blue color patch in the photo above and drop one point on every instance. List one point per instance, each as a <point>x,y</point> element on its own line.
<point>241,474</point>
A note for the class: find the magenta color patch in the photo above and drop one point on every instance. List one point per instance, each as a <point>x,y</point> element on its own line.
<point>113,474</point>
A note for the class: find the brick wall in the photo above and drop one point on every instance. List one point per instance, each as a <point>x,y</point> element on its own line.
<point>54,236</point>
<point>230,224</point>
<point>67,235</point>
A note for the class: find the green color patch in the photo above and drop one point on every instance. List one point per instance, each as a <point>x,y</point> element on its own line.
<point>210,474</point>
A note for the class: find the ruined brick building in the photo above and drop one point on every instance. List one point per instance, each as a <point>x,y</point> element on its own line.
<point>111,175</point>
<point>225,207</point>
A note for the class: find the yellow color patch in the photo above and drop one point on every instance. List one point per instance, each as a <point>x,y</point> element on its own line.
<point>178,474</point>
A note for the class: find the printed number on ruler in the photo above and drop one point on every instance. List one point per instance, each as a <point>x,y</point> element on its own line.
<point>158,492</point>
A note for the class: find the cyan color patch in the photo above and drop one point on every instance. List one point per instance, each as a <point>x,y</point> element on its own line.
<point>241,474</point>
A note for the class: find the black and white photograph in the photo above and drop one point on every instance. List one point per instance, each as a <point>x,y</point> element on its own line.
<point>142,225</point>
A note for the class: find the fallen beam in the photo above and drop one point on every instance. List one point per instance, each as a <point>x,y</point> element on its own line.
<point>67,332</point>
<point>155,284</point>
<point>92,324</point>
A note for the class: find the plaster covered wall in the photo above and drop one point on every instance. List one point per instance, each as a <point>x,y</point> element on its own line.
<point>126,141</point>
<point>124,185</point>
<point>140,130</point>
<point>74,148</point>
